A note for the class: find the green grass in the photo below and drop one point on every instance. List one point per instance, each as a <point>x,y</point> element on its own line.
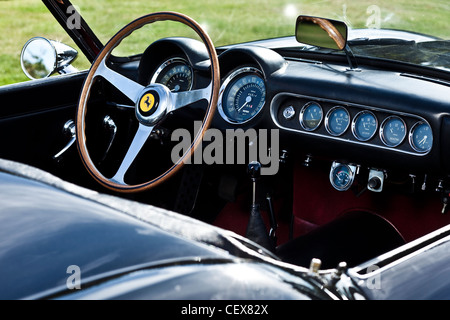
<point>227,21</point>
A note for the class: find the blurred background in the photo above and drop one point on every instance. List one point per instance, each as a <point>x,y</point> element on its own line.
<point>226,21</point>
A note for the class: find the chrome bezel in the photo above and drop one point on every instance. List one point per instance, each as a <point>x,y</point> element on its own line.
<point>224,86</point>
<point>382,135</point>
<point>168,63</point>
<point>411,140</point>
<point>302,112</point>
<point>358,115</point>
<point>291,112</point>
<point>327,121</point>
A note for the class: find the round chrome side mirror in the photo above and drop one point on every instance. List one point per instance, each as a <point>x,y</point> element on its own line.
<point>41,58</point>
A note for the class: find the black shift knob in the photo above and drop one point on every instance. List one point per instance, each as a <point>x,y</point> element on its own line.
<point>254,169</point>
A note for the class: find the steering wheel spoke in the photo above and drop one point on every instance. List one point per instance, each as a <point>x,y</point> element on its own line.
<point>185,98</point>
<point>139,140</point>
<point>125,85</point>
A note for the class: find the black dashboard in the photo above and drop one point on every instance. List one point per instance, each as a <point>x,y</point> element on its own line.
<point>371,117</point>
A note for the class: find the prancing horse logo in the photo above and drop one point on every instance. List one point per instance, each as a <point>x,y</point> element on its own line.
<point>147,102</point>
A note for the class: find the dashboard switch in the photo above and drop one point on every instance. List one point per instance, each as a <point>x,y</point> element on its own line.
<point>289,113</point>
<point>374,183</point>
<point>376,180</point>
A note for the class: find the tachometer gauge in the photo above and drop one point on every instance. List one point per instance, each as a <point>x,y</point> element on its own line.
<point>337,121</point>
<point>364,126</point>
<point>242,95</point>
<point>421,137</point>
<point>342,176</point>
<point>311,116</point>
<point>175,73</point>
<point>393,131</point>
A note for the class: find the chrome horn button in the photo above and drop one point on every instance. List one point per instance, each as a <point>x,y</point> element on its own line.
<point>153,104</point>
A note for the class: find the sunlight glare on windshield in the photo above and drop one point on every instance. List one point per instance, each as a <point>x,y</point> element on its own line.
<point>233,21</point>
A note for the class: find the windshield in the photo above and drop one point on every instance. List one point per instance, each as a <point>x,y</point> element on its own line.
<point>234,21</point>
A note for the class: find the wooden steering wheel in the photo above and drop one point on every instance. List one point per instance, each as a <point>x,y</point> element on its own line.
<point>152,103</point>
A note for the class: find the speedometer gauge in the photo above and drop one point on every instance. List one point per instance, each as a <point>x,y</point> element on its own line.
<point>175,73</point>
<point>242,95</point>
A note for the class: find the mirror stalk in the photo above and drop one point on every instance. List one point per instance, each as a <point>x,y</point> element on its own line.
<point>353,65</point>
<point>325,33</point>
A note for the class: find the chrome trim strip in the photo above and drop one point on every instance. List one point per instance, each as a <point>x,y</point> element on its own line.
<point>401,254</point>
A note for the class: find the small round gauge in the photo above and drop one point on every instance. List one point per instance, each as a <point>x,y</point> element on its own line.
<point>421,137</point>
<point>393,131</point>
<point>337,121</point>
<point>364,125</point>
<point>341,176</point>
<point>311,116</point>
<point>243,95</point>
<point>175,74</point>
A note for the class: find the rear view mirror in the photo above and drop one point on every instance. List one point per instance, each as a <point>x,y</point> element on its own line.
<point>320,32</point>
<point>41,58</point>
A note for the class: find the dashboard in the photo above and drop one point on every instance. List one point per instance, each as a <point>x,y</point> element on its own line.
<point>380,119</point>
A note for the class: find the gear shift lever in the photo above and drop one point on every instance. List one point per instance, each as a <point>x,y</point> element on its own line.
<point>256,229</point>
<point>254,170</point>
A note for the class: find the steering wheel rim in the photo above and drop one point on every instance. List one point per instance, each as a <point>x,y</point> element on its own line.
<point>164,102</point>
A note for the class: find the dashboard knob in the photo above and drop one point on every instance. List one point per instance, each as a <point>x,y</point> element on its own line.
<point>289,113</point>
<point>374,183</point>
<point>376,180</point>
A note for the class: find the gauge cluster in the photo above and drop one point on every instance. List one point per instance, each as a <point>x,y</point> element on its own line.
<point>380,128</point>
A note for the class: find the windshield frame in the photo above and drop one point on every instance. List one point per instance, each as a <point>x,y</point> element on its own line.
<point>81,33</point>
